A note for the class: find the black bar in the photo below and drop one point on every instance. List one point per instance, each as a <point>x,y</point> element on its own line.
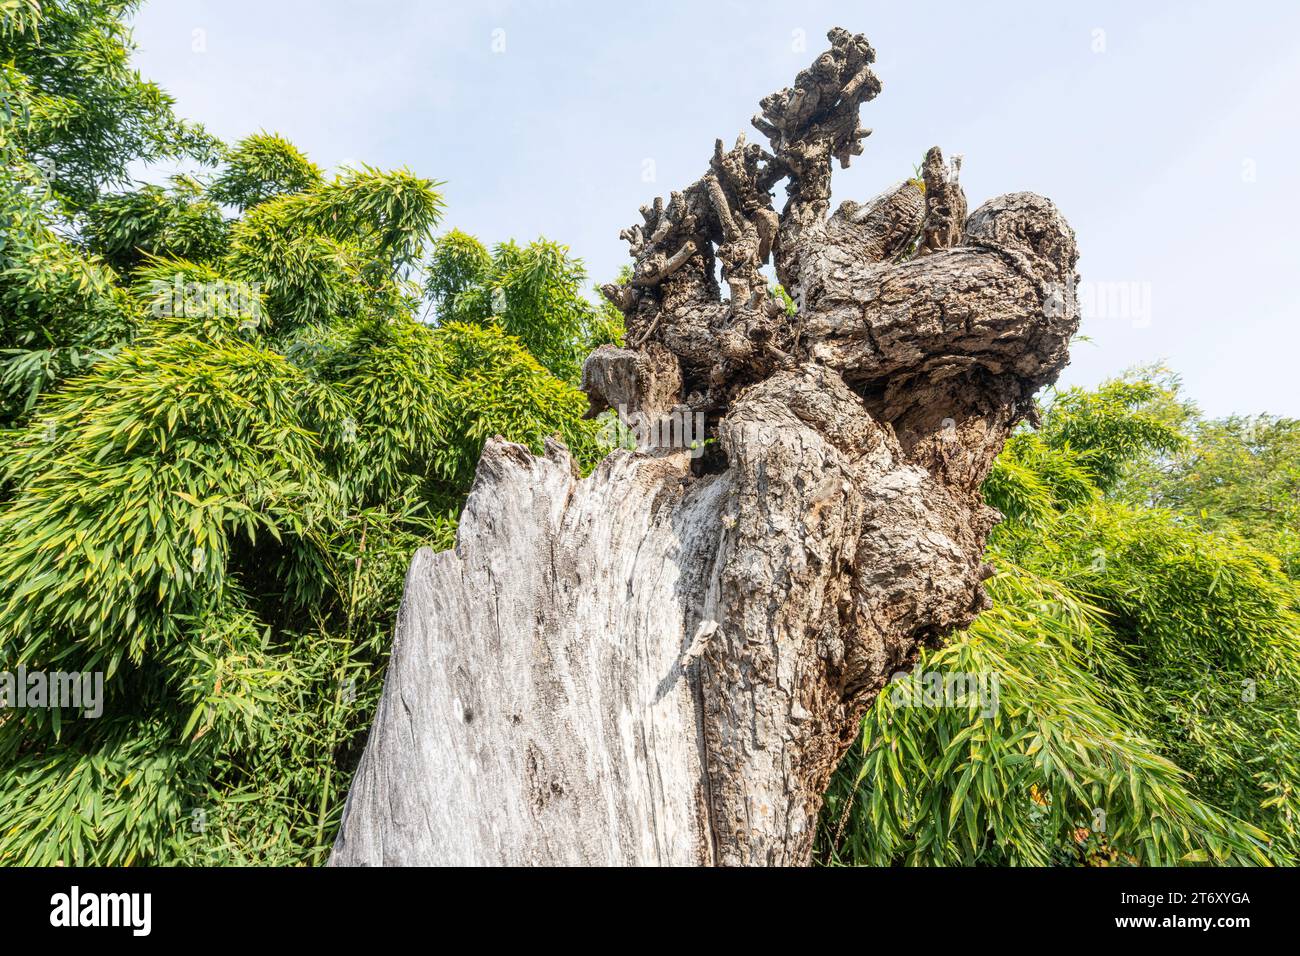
<point>257,906</point>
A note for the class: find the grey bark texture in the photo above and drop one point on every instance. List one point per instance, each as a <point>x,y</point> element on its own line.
<point>663,662</point>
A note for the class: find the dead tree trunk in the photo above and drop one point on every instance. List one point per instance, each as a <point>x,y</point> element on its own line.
<point>663,662</point>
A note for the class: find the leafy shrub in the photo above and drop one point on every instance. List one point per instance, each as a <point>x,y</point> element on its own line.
<point>1148,665</point>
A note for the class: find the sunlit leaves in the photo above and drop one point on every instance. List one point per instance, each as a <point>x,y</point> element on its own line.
<point>147,469</point>
<point>1241,473</point>
<point>1064,751</point>
<point>1119,422</point>
<point>334,251</point>
<point>60,309</point>
<point>127,228</point>
<point>532,292</point>
<point>183,502</point>
<point>458,262</point>
<point>1148,667</point>
<point>86,114</point>
<point>260,167</point>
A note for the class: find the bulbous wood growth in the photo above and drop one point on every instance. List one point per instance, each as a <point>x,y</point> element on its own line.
<point>663,662</point>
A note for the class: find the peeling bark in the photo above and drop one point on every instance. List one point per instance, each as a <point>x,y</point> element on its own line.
<point>663,662</point>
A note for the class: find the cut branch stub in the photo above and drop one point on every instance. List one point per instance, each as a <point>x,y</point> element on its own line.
<point>663,662</point>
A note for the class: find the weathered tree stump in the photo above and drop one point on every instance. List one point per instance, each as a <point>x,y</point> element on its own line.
<point>663,662</point>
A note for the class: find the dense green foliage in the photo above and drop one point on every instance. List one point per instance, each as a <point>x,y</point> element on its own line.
<point>225,436</point>
<point>86,114</point>
<point>528,291</point>
<point>232,406</point>
<point>1147,658</point>
<point>1242,474</point>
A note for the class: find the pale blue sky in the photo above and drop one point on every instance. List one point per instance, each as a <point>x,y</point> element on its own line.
<point>1168,133</point>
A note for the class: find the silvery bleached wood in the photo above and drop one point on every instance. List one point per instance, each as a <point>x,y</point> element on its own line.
<point>663,662</point>
<point>534,709</point>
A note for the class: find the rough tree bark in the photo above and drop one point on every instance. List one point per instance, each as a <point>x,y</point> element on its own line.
<point>663,662</point>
